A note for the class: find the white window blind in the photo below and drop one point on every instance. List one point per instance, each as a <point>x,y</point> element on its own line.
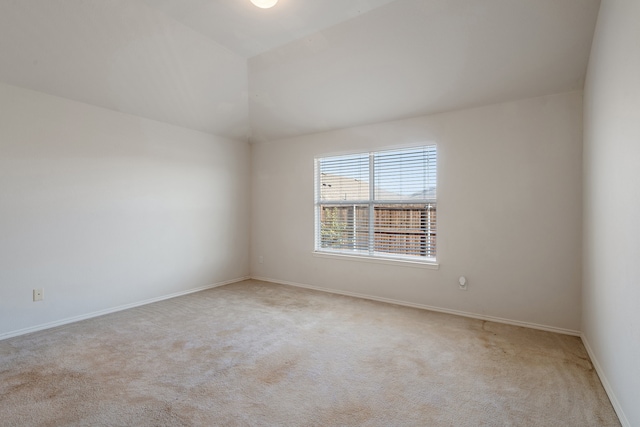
<point>379,204</point>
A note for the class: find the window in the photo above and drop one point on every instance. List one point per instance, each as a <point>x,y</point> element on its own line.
<point>393,218</point>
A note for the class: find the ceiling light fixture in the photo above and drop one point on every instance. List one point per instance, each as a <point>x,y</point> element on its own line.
<point>264,4</point>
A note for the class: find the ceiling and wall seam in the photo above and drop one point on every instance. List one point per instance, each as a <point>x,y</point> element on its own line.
<point>390,60</point>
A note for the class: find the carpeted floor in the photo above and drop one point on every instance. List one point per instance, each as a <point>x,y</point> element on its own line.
<point>262,354</point>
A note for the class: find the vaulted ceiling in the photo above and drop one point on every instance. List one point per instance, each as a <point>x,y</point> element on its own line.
<point>231,69</point>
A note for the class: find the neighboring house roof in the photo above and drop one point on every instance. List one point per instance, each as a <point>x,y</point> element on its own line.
<point>341,188</point>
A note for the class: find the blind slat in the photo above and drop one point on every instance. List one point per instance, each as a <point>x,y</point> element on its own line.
<point>396,216</point>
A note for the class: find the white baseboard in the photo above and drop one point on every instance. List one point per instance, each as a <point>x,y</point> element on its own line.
<point>114,309</point>
<point>426,307</point>
<point>605,383</point>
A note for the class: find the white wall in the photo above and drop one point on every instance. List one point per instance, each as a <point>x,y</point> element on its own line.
<point>103,209</point>
<point>611,294</point>
<point>509,211</point>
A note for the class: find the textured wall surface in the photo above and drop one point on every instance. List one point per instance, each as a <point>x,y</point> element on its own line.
<point>509,211</point>
<point>103,209</point>
<point>611,294</point>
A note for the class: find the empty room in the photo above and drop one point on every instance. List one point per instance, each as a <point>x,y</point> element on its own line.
<point>319,212</point>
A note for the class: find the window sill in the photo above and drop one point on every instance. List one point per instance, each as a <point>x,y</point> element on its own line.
<point>378,260</point>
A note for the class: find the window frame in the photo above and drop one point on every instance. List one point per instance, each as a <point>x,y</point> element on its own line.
<point>370,254</point>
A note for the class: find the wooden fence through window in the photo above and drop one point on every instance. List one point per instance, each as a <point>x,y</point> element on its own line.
<point>401,229</point>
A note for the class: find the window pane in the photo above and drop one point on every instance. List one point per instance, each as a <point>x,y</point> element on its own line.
<point>405,229</point>
<point>344,178</point>
<point>408,174</point>
<point>344,227</point>
<point>396,218</point>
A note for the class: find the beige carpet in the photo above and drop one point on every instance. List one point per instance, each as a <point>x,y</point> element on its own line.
<point>262,354</point>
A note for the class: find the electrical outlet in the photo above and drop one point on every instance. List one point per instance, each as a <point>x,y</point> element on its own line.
<point>260,259</point>
<point>38,294</point>
<point>462,283</point>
